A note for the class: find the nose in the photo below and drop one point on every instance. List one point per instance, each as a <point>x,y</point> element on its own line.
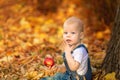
<point>68,35</point>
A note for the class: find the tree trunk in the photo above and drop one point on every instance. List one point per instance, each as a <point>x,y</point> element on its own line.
<point>104,9</point>
<point>111,62</point>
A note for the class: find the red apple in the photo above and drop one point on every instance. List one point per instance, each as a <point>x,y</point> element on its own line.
<point>49,62</point>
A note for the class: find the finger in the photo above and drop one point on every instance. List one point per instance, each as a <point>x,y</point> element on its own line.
<point>64,43</point>
<point>49,67</point>
<point>53,67</point>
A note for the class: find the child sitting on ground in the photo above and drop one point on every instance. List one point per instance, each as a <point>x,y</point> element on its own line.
<point>76,60</point>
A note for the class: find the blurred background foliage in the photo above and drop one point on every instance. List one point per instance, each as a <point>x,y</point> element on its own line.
<point>30,30</point>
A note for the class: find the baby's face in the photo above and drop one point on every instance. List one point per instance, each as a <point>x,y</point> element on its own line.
<point>71,34</point>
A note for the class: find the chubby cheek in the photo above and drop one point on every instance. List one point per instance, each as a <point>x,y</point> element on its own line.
<point>64,37</point>
<point>75,39</point>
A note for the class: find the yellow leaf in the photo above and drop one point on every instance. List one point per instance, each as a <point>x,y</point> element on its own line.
<point>31,74</point>
<point>99,35</point>
<point>52,39</point>
<point>110,76</point>
<point>43,35</point>
<point>71,9</point>
<point>60,31</point>
<point>49,21</point>
<point>24,23</point>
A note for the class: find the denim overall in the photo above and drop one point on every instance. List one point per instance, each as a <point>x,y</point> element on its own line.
<point>71,75</point>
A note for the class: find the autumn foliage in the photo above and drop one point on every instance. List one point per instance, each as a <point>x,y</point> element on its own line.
<point>30,30</point>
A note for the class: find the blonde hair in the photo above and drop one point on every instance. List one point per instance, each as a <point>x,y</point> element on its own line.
<point>74,20</point>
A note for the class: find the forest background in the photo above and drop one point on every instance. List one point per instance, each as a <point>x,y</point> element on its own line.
<point>30,30</point>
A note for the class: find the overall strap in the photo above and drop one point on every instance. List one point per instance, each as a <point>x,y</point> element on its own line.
<point>88,74</point>
<point>72,74</point>
<point>82,45</point>
<point>66,64</point>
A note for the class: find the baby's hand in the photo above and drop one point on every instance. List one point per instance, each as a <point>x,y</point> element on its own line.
<point>58,68</point>
<point>68,48</point>
<point>54,68</point>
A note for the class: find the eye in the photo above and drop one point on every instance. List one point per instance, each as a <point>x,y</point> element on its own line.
<point>65,32</point>
<point>73,32</point>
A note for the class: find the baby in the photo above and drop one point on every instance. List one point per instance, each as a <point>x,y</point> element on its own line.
<point>76,60</point>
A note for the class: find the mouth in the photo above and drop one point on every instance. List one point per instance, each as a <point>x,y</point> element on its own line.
<point>68,40</point>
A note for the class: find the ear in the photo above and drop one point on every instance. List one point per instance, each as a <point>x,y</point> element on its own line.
<point>81,35</point>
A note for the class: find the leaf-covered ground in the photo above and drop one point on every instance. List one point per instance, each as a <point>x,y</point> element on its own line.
<point>27,36</point>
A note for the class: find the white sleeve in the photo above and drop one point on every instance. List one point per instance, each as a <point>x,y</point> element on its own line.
<point>79,54</point>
